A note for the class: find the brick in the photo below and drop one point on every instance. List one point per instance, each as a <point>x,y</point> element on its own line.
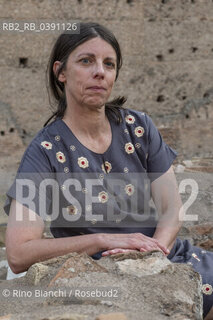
<point>112,316</point>
<point>7,317</point>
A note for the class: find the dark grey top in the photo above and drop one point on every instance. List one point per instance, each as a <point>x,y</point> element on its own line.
<point>85,192</point>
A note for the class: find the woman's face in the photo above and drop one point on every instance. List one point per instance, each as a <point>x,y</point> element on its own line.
<point>90,73</point>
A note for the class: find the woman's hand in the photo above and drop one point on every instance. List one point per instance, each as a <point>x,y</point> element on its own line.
<point>120,243</point>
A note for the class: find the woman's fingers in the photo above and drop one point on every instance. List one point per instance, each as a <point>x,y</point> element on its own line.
<point>117,250</point>
<point>118,243</point>
<point>153,244</point>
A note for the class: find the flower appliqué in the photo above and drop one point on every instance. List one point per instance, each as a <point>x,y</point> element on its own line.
<point>72,209</point>
<point>60,157</point>
<point>101,176</point>
<point>129,189</point>
<point>137,145</point>
<point>139,131</point>
<point>106,167</point>
<point>83,162</point>
<point>57,138</point>
<point>47,145</point>
<point>207,289</point>
<point>129,148</point>
<point>63,187</point>
<point>130,119</point>
<point>72,148</point>
<point>103,196</point>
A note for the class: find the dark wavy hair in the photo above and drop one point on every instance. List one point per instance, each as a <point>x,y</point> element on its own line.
<point>64,45</point>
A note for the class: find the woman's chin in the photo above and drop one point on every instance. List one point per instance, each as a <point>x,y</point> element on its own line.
<point>96,103</point>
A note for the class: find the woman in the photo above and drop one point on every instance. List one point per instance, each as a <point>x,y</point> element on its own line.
<point>100,157</point>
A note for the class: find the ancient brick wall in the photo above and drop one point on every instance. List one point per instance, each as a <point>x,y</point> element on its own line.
<point>168,67</point>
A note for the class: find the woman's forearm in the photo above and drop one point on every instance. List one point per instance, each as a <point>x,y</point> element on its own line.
<point>169,207</point>
<point>168,226</point>
<point>166,235</point>
<point>37,250</point>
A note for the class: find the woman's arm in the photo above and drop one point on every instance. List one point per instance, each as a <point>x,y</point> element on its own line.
<point>168,203</point>
<point>25,246</point>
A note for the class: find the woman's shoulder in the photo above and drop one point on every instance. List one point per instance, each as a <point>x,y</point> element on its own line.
<point>41,145</point>
<point>48,134</point>
<point>136,117</point>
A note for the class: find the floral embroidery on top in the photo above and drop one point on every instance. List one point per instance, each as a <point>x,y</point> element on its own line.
<point>129,189</point>
<point>57,138</point>
<point>47,145</point>
<point>72,148</point>
<point>195,256</point>
<point>103,196</point>
<point>83,162</point>
<point>72,209</point>
<point>101,176</point>
<point>126,170</point>
<point>139,131</point>
<point>138,145</point>
<point>129,148</point>
<point>106,167</point>
<point>60,157</point>
<point>207,289</point>
<point>130,119</point>
<point>93,221</point>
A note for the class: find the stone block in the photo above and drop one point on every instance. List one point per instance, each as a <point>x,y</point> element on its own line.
<point>43,272</point>
<point>112,316</point>
<point>65,316</point>
<point>202,230</point>
<point>72,267</point>
<point>152,264</point>
<point>6,317</point>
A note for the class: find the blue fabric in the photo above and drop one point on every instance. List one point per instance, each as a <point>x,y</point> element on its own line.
<point>201,261</point>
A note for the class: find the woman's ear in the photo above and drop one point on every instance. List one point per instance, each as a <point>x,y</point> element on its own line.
<point>56,66</point>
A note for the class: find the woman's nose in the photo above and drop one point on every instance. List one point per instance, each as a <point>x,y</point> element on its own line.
<point>99,70</point>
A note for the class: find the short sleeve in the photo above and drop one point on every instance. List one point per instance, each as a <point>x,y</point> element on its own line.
<point>34,170</point>
<point>159,156</point>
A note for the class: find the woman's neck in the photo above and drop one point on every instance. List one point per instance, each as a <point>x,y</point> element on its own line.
<point>87,121</point>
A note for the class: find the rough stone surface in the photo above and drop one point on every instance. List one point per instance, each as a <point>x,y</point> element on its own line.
<point>141,267</point>
<point>181,287</point>
<point>72,267</point>
<point>111,316</point>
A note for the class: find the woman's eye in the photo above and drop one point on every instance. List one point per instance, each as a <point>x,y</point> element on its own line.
<point>110,64</point>
<point>85,60</point>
